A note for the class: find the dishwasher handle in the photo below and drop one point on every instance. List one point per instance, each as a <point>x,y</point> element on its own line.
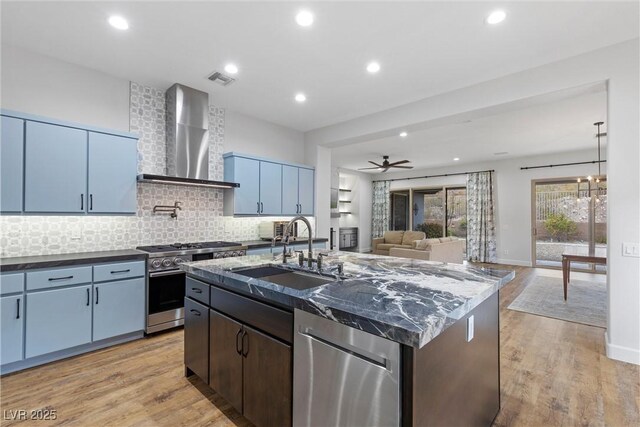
<point>372,358</point>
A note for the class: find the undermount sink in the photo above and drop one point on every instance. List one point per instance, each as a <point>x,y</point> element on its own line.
<point>290,279</point>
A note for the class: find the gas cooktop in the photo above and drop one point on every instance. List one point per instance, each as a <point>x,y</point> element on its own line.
<point>187,246</point>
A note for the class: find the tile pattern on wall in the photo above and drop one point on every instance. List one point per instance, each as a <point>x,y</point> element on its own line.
<point>201,217</point>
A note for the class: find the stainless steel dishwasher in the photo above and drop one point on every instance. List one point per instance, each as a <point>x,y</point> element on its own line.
<point>343,376</point>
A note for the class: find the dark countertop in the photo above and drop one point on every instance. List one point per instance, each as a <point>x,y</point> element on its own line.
<point>404,300</point>
<point>60,260</point>
<point>254,244</point>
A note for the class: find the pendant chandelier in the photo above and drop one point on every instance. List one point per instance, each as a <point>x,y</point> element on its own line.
<point>598,178</point>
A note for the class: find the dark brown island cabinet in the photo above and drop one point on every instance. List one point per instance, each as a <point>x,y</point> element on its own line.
<point>243,349</point>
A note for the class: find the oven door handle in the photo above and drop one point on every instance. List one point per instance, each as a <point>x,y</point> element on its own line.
<point>166,273</point>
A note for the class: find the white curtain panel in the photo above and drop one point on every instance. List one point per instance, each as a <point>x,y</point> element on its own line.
<point>481,230</point>
<point>381,208</point>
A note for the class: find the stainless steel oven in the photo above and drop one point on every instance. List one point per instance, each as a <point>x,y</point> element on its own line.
<point>165,300</point>
<point>166,281</point>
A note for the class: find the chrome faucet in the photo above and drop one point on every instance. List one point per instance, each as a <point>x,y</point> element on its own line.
<point>286,232</point>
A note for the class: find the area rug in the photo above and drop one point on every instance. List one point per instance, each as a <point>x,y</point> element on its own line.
<point>586,303</point>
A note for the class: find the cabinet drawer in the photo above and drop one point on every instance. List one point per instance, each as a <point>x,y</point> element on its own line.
<point>271,320</point>
<point>197,290</point>
<point>61,277</point>
<point>119,270</point>
<point>11,283</point>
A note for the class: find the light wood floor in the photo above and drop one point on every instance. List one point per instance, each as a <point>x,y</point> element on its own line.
<point>553,373</point>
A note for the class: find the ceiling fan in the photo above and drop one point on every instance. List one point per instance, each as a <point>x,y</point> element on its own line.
<point>385,166</point>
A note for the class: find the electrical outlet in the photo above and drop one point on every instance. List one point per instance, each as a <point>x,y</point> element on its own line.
<point>76,233</point>
<point>505,252</point>
<point>631,249</point>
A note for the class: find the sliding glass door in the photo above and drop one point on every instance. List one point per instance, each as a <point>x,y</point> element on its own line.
<point>400,210</point>
<point>440,211</point>
<point>571,217</point>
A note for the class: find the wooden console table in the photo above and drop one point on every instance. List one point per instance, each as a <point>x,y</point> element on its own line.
<point>566,266</point>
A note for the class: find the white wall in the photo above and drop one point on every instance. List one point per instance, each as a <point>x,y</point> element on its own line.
<point>245,134</point>
<point>512,190</point>
<point>41,85</point>
<point>619,66</point>
<point>361,201</point>
<point>320,157</point>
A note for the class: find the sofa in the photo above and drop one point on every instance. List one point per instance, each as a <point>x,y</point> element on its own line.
<point>395,239</point>
<point>446,249</point>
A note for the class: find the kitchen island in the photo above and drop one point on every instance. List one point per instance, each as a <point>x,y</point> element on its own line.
<point>385,341</point>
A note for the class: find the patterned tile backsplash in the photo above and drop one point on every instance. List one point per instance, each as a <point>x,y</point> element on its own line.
<point>201,217</point>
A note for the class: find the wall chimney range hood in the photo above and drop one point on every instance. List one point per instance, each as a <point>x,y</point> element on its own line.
<point>187,140</point>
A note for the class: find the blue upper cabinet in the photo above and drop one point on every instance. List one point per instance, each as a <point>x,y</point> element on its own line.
<point>297,190</point>
<point>50,166</point>
<point>11,156</point>
<point>55,169</point>
<point>290,205</point>
<point>306,186</point>
<point>112,174</point>
<point>267,187</point>
<point>246,172</point>
<point>270,185</point>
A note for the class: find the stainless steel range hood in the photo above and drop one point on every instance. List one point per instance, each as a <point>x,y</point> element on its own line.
<point>187,140</point>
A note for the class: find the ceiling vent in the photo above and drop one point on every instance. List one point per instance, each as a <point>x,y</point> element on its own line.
<point>221,79</point>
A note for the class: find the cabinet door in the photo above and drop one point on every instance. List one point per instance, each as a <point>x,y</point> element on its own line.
<point>270,188</point>
<point>112,174</point>
<point>261,251</point>
<point>11,157</point>
<point>225,359</point>
<point>306,191</point>
<point>118,308</point>
<point>267,380</point>
<point>57,320</point>
<point>247,196</point>
<point>55,169</point>
<point>12,318</point>
<point>196,338</point>
<point>290,190</point>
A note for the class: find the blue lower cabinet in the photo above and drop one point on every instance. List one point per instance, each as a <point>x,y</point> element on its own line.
<point>261,251</point>
<point>11,328</point>
<point>58,319</point>
<point>118,308</point>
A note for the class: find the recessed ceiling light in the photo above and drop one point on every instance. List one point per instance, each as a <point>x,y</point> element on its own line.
<point>373,67</point>
<point>304,18</point>
<point>496,17</point>
<point>118,22</point>
<point>403,134</point>
<point>301,97</point>
<point>231,68</point>
<point>455,159</point>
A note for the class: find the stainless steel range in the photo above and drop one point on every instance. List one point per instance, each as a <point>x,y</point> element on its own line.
<point>166,282</point>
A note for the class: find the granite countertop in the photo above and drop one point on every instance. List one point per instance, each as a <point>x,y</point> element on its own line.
<point>404,300</point>
<point>60,260</point>
<point>253,244</point>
